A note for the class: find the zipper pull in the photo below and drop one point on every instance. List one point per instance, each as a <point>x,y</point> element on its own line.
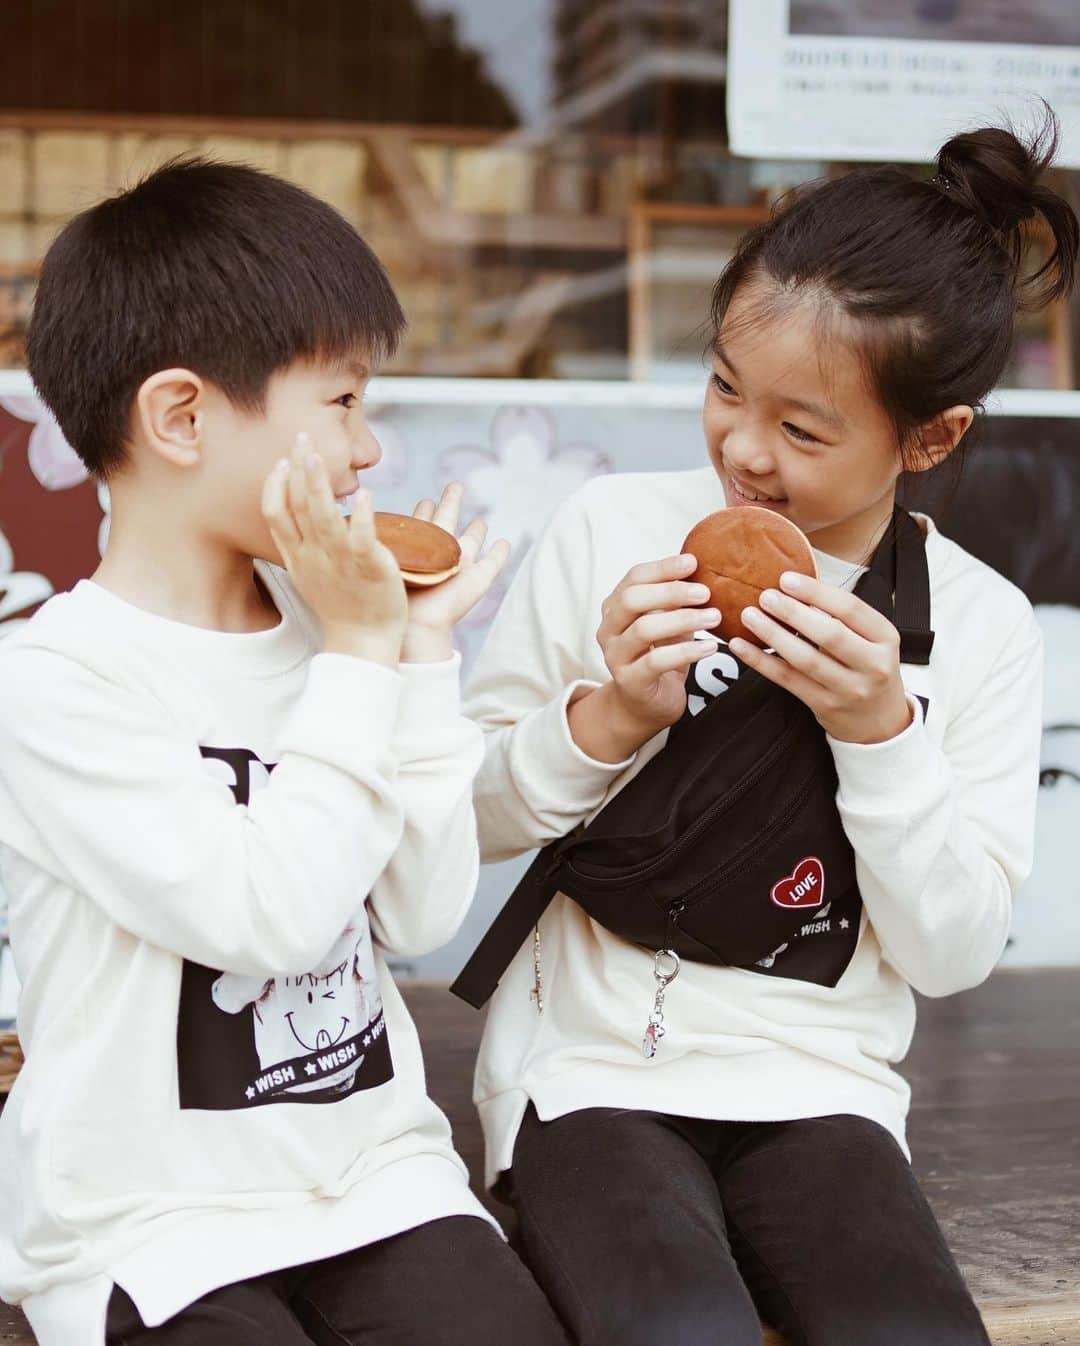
<point>674,912</point>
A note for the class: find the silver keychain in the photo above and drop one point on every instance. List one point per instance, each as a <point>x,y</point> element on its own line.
<point>665,969</point>
<point>537,992</point>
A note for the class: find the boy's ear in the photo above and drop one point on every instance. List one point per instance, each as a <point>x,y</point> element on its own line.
<point>938,437</point>
<point>169,412</point>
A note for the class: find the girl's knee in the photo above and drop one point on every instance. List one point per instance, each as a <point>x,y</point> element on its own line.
<point>680,1321</point>
<point>955,1324</point>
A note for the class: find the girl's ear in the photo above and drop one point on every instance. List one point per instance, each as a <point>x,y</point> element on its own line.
<point>169,412</point>
<point>938,437</point>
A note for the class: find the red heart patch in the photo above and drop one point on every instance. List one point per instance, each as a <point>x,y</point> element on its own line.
<point>803,888</point>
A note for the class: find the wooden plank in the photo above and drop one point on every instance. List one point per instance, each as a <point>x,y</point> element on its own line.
<point>14,1327</point>
<point>1046,1325</point>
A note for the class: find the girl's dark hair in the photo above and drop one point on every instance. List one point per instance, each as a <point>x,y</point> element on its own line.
<point>218,268</point>
<point>929,271</point>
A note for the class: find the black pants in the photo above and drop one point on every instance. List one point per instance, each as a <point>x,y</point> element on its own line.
<point>648,1230</point>
<point>452,1282</point>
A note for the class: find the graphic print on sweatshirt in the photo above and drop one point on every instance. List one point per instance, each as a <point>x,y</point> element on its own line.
<point>710,677</point>
<point>313,1038</point>
<point>717,673</point>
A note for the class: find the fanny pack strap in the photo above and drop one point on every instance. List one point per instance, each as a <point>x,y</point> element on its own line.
<point>897,584</point>
<point>911,587</point>
<point>477,980</point>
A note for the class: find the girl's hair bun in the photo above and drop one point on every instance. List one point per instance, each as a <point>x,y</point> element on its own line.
<point>929,277</point>
<point>996,175</point>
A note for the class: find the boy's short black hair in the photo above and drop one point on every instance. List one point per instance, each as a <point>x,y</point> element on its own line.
<point>217,268</point>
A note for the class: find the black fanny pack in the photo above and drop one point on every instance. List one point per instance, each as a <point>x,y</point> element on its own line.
<point>727,847</point>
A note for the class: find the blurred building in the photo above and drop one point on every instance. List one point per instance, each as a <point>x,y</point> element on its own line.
<point>376,61</point>
<point>548,184</point>
<point>618,60</point>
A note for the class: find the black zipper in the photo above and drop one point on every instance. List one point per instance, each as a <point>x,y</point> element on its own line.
<point>674,912</point>
<point>739,862</point>
<point>747,782</point>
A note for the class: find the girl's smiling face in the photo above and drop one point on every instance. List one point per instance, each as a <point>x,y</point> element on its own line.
<point>792,425</point>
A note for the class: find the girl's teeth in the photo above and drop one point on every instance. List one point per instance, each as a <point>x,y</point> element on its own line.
<point>344,507</point>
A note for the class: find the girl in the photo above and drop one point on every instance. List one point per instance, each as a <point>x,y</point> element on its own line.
<point>752,1158</point>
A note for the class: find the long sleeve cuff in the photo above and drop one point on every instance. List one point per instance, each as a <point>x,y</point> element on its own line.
<point>891,780</point>
<point>545,755</point>
<point>347,713</point>
<point>430,704</point>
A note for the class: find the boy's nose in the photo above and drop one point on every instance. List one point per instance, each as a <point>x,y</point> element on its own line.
<point>366,449</point>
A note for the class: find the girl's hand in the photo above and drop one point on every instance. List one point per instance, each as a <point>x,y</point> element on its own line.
<point>646,635</point>
<point>434,612</point>
<point>347,577</point>
<point>841,658</point>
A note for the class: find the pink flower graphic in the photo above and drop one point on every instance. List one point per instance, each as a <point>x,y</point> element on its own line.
<point>519,481</point>
<point>480,617</point>
<point>52,459</point>
<point>106,517</point>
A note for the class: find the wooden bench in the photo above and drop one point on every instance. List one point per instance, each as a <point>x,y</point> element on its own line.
<point>995,1133</point>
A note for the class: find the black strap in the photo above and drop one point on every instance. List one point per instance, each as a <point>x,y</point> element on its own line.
<point>897,584</point>
<point>477,980</point>
<point>898,581</point>
<point>911,588</point>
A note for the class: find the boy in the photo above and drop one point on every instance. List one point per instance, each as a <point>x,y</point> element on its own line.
<point>224,790</point>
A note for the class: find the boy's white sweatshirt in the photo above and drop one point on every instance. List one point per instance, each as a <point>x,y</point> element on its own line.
<point>941,819</point>
<point>221,1077</point>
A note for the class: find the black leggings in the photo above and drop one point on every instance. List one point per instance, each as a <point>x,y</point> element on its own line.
<point>645,1229</point>
<point>452,1282</point>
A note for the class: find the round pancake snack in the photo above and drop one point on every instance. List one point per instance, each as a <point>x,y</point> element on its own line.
<point>426,554</point>
<point>741,552</point>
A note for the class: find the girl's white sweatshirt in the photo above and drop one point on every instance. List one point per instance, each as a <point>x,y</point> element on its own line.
<point>221,1077</point>
<point>941,819</point>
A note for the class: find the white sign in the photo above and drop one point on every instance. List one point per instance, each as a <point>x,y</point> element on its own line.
<point>894,79</point>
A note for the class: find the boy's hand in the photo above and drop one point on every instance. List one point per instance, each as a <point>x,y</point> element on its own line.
<point>840,657</point>
<point>350,580</point>
<point>434,612</point>
<point>646,635</point>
